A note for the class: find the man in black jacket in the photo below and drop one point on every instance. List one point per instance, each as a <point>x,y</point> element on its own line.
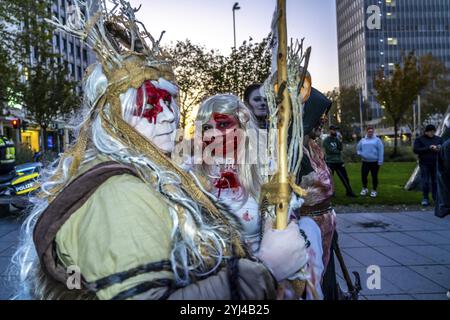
<point>333,157</point>
<point>443,174</point>
<point>427,147</point>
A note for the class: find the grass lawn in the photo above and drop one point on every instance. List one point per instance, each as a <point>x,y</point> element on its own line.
<point>392,176</point>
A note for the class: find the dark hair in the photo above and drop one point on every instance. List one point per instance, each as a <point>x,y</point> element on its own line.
<point>248,91</point>
<point>370,128</point>
<point>430,127</point>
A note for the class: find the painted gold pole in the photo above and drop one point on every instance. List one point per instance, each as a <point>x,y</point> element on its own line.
<point>284,118</point>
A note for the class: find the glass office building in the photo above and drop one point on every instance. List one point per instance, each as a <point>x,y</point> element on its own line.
<point>75,54</point>
<point>365,48</point>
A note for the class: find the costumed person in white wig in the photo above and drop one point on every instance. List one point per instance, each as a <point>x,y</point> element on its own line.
<point>116,213</point>
<point>232,162</point>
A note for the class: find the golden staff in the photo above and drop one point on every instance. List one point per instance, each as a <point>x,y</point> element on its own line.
<point>284,189</point>
<point>282,186</point>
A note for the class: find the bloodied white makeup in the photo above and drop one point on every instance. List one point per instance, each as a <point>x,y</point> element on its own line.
<point>157,119</point>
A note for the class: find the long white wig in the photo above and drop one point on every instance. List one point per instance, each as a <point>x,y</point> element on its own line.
<point>197,233</point>
<point>249,172</point>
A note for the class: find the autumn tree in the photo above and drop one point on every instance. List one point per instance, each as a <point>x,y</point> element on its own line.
<point>435,96</point>
<point>8,68</point>
<point>46,93</point>
<point>201,72</point>
<point>333,115</point>
<point>398,91</point>
<point>345,111</point>
<point>193,67</point>
<point>247,64</point>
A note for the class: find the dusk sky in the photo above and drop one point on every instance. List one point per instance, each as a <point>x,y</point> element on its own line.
<point>210,23</point>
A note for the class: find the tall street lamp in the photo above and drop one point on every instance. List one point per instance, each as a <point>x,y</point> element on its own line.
<point>235,7</point>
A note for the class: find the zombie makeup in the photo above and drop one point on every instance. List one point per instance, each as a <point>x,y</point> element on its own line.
<point>152,107</point>
<point>154,116</point>
<point>225,127</point>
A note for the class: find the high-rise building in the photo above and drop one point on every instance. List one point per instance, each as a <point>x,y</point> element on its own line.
<point>365,48</point>
<point>74,52</point>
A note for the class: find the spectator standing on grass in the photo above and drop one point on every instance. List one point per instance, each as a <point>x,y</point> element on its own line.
<point>333,157</point>
<point>371,150</point>
<point>427,147</point>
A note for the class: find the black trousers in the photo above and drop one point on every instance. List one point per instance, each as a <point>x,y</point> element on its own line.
<point>373,168</point>
<point>428,176</point>
<point>339,168</point>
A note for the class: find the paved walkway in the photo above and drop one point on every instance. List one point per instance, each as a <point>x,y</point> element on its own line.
<point>412,251</point>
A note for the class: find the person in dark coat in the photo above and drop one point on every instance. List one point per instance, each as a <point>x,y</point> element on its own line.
<point>427,147</point>
<point>333,157</point>
<point>443,174</point>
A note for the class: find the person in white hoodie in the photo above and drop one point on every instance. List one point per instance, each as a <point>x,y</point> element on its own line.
<point>371,150</point>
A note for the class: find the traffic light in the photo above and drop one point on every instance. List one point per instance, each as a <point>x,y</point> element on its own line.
<point>15,123</point>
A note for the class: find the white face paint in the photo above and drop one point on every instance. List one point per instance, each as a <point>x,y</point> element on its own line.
<point>258,102</point>
<point>163,132</point>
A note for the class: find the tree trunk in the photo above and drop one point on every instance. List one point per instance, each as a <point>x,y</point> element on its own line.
<point>395,139</point>
<point>44,139</point>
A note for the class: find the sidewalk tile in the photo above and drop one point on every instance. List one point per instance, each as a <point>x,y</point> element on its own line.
<point>372,239</point>
<point>402,239</point>
<point>4,264</point>
<point>404,256</point>
<point>445,234</point>
<point>430,237</point>
<point>431,296</point>
<point>9,252</point>
<point>410,281</point>
<point>369,256</point>
<point>350,262</point>
<point>5,245</point>
<point>438,274</point>
<point>386,286</point>
<point>347,241</point>
<point>11,236</point>
<point>433,252</point>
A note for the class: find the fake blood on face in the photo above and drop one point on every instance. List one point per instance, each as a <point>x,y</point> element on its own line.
<point>152,107</point>
<point>226,125</point>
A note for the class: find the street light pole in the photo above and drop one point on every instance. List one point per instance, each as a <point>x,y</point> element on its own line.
<point>235,7</point>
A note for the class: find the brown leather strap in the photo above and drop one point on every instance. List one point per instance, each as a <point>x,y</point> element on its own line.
<point>315,210</point>
<point>63,206</point>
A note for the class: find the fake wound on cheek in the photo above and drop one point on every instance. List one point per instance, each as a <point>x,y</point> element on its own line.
<point>151,108</point>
